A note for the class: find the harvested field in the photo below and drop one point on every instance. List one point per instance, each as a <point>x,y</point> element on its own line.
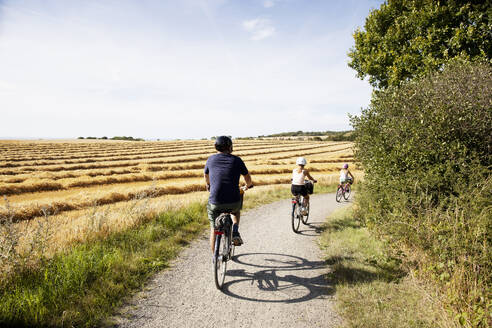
<point>65,182</point>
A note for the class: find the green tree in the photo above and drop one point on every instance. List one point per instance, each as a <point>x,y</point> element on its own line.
<point>426,150</point>
<point>404,39</point>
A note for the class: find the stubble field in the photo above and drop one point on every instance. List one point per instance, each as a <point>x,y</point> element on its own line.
<point>62,192</point>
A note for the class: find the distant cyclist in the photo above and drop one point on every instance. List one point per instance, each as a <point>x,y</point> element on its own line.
<point>222,173</point>
<point>299,175</point>
<point>346,175</point>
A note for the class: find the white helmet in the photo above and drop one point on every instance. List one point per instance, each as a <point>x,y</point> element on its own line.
<point>301,161</point>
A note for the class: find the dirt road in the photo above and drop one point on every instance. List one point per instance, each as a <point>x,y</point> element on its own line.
<point>277,279</point>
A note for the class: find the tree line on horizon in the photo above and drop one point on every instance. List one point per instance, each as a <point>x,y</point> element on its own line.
<point>129,138</point>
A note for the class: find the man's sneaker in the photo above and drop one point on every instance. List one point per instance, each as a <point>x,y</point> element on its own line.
<point>236,239</point>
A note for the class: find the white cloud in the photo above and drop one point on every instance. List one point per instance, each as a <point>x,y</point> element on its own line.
<point>268,4</point>
<point>260,28</point>
<point>88,72</point>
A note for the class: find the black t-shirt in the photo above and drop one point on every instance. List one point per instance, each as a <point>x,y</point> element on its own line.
<point>224,171</point>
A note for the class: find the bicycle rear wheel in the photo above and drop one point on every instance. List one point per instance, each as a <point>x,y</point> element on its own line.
<point>296,217</point>
<point>339,194</point>
<point>220,259</point>
<point>346,194</point>
<point>305,218</point>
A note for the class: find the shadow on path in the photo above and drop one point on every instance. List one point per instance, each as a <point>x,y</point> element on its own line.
<point>312,229</point>
<point>276,278</point>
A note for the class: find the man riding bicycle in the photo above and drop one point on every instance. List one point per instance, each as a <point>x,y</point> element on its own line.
<point>222,173</point>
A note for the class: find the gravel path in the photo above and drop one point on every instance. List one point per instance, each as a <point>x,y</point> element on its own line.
<point>277,279</point>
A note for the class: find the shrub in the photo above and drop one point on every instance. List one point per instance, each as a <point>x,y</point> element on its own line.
<point>127,138</point>
<point>426,150</point>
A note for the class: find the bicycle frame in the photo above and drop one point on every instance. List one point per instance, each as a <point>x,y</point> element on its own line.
<point>227,230</point>
<point>343,186</point>
<point>343,190</point>
<point>299,199</point>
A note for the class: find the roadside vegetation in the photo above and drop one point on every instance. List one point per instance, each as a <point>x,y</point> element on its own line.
<point>374,289</point>
<point>425,144</point>
<point>426,151</point>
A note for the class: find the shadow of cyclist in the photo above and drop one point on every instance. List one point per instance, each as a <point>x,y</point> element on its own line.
<point>279,278</point>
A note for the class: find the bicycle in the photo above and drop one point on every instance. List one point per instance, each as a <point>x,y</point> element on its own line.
<point>344,190</point>
<point>223,228</point>
<point>300,213</point>
<point>222,256</point>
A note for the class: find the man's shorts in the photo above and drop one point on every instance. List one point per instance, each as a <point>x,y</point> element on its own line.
<point>299,190</point>
<point>214,210</point>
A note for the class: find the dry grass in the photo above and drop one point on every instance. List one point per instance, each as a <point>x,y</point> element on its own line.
<point>77,226</point>
<point>77,156</point>
<point>26,207</point>
<point>80,184</point>
<point>125,161</point>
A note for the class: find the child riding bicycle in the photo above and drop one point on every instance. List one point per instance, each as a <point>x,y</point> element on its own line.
<point>345,175</point>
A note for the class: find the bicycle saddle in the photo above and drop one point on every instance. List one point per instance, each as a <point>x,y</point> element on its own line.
<point>222,221</point>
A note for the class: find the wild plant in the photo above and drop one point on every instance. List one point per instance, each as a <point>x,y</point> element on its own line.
<point>9,242</point>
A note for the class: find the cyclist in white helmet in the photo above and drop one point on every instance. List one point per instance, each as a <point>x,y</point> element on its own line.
<point>299,175</point>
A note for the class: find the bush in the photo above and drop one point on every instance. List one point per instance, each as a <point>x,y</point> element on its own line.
<point>127,138</point>
<point>426,150</point>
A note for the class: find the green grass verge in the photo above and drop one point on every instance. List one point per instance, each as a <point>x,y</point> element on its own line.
<point>372,289</point>
<point>84,285</point>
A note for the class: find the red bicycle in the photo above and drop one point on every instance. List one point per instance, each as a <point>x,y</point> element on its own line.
<point>344,190</point>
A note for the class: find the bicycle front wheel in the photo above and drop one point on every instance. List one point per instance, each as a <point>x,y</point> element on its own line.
<point>220,260</point>
<point>346,194</point>
<point>296,218</point>
<point>339,194</point>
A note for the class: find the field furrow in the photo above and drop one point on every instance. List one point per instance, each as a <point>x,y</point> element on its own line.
<point>172,159</point>
<point>58,178</point>
<point>121,156</point>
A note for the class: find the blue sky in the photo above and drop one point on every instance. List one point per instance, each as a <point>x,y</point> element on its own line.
<point>177,69</point>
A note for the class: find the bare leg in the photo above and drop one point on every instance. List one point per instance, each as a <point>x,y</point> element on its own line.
<point>235,218</point>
